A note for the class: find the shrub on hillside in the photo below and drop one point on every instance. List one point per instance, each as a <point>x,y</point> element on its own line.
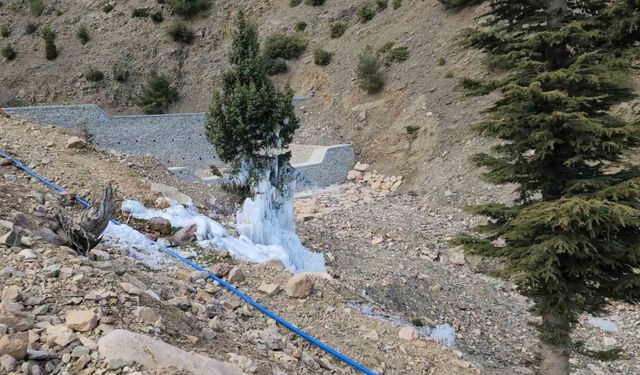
<point>5,31</point>
<point>30,27</point>
<point>314,2</point>
<point>284,46</point>
<point>397,4</point>
<point>157,17</point>
<point>275,66</point>
<point>49,36</point>
<point>294,3</point>
<point>457,4</point>
<point>366,13</point>
<point>300,26</point>
<point>449,74</point>
<point>382,4</point>
<point>180,32</point>
<point>83,34</point>
<point>107,7</point>
<point>156,95</point>
<point>398,54</point>
<point>370,78</point>
<point>321,57</point>
<point>93,75</point>
<point>8,52</point>
<point>120,72</point>
<point>140,13</point>
<point>441,61</point>
<point>189,8</point>
<point>337,29</point>
<point>36,7</point>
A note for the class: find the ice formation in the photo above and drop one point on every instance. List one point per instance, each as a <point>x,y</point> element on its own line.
<point>138,246</point>
<point>604,324</point>
<point>266,232</point>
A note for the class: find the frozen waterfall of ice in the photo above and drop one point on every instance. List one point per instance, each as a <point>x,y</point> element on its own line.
<point>266,232</point>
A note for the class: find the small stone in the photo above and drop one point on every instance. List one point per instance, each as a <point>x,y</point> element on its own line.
<point>354,175</point>
<point>27,254</point>
<point>361,167</point>
<point>131,289</point>
<point>221,269</point>
<point>199,275</point>
<point>235,275</point>
<point>8,363</point>
<point>81,320</point>
<point>40,310</point>
<point>15,345</point>
<point>79,351</point>
<point>299,286</point>
<point>82,362</point>
<point>60,335</point>
<point>146,315</point>
<point>377,240</point>
<point>11,294</point>
<point>408,334</point>
<point>51,271</point>
<point>371,335</point>
<point>75,143</point>
<point>269,289</point>
<point>37,355</point>
<point>161,225</point>
<point>99,255</point>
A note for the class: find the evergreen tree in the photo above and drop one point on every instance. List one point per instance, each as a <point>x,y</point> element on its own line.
<point>156,95</point>
<point>572,238</point>
<point>250,122</point>
<point>50,50</point>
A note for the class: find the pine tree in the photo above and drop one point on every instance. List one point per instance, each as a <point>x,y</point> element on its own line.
<point>50,50</point>
<point>250,122</point>
<point>571,240</point>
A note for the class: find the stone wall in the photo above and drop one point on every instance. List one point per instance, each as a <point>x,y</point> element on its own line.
<point>178,140</point>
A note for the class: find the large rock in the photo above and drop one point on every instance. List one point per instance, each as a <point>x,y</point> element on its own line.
<point>15,345</point>
<point>184,235</point>
<point>81,320</point>
<point>128,347</point>
<point>160,225</point>
<point>299,286</point>
<point>408,333</point>
<point>221,269</point>
<point>75,142</point>
<point>17,320</point>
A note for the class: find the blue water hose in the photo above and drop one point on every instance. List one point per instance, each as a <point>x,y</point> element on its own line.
<point>246,298</point>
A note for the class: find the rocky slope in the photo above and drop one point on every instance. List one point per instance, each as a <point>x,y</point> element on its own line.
<point>417,96</point>
<point>60,311</point>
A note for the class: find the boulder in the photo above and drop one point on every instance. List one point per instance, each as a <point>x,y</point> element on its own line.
<point>160,225</point>
<point>184,235</point>
<point>171,193</point>
<point>15,345</point>
<point>127,347</point>
<point>221,269</point>
<point>75,143</point>
<point>235,275</point>
<point>269,289</point>
<point>81,320</point>
<point>361,167</point>
<point>354,175</point>
<point>299,286</point>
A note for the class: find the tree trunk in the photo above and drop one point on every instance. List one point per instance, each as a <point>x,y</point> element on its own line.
<point>555,360</point>
<point>555,349</point>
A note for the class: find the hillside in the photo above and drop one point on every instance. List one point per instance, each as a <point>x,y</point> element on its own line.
<point>417,93</point>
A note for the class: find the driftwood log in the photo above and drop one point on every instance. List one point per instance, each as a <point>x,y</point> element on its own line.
<point>84,234</point>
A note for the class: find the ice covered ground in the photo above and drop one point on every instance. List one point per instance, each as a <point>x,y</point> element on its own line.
<point>266,233</point>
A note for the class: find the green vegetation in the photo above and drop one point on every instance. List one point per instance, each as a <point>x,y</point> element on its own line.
<point>314,2</point>
<point>180,32</point>
<point>412,132</point>
<point>337,29</point>
<point>189,8</point>
<point>382,4</point>
<point>275,66</point>
<point>294,3</point>
<point>30,27</point>
<point>449,74</point>
<point>321,57</point>
<point>370,78</point>
<point>390,54</point>
<point>248,112</point>
<point>156,95</point>
<point>366,13</point>
<point>397,4</point>
<point>157,17</point>
<point>93,75</point>
<point>107,7</point>
<point>49,36</point>
<point>300,26</point>
<point>571,239</point>
<point>120,72</point>
<point>5,31</point>
<point>286,46</point>
<point>83,34</point>
<point>8,52</point>
<point>441,61</point>
<point>458,4</point>
<point>36,7</point>
<point>140,13</point>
